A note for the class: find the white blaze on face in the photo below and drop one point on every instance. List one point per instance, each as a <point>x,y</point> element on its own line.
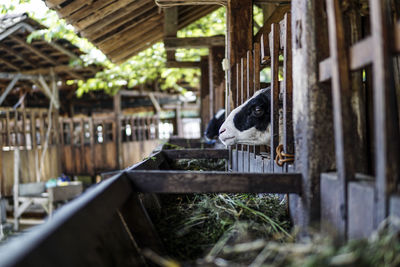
<point>230,135</point>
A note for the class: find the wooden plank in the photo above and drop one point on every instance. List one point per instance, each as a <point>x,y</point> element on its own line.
<point>205,92</point>
<point>276,17</point>
<point>288,139</point>
<point>274,52</point>
<point>154,161</point>
<point>342,111</point>
<point>171,27</point>
<point>397,36</point>
<point>240,36</point>
<point>333,211</point>
<point>128,44</point>
<point>196,154</point>
<point>140,225</point>
<point>122,16</point>
<point>386,121</point>
<point>172,43</point>
<point>183,64</point>
<point>217,75</point>
<point>361,55</point>
<point>242,99</point>
<point>156,181</point>
<point>86,20</point>
<point>361,202</point>
<point>249,93</point>
<point>9,87</point>
<point>314,153</point>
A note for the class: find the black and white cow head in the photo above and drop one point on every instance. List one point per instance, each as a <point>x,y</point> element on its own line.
<point>212,130</point>
<point>249,123</point>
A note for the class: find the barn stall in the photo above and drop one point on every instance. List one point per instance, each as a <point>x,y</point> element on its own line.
<point>340,135</point>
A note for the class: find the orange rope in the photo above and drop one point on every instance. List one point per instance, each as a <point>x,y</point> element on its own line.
<point>282,157</point>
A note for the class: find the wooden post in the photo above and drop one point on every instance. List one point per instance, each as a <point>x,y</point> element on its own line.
<point>286,43</point>
<point>312,108</point>
<point>118,137</point>
<point>342,111</point>
<point>205,94</point>
<point>178,117</point>
<point>274,52</point>
<point>386,120</point>
<point>217,74</point>
<point>16,174</point>
<point>240,36</point>
<point>170,27</point>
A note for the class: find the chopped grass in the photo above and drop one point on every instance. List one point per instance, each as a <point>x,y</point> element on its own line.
<point>190,225</point>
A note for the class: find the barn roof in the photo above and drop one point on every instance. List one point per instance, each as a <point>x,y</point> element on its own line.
<point>38,57</point>
<point>122,28</point>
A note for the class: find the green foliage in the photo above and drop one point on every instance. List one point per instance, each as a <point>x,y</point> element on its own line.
<point>10,5</point>
<point>146,68</point>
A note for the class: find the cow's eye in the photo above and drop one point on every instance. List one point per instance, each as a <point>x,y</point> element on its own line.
<point>258,111</point>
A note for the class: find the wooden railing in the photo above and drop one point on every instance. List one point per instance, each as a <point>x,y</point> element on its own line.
<point>274,43</point>
<point>91,144</point>
<point>367,130</point>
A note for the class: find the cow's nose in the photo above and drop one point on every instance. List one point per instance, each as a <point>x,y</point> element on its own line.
<point>222,130</point>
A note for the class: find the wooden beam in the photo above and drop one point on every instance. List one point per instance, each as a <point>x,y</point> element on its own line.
<point>240,37</point>
<point>170,27</point>
<point>56,69</point>
<point>48,92</point>
<point>360,55</point>
<point>214,182</point>
<point>155,103</point>
<point>39,53</point>
<point>11,75</point>
<point>172,43</point>
<point>9,64</point>
<point>9,88</point>
<point>15,54</point>
<point>196,153</point>
<point>115,20</point>
<point>92,13</point>
<point>182,64</point>
<point>53,44</point>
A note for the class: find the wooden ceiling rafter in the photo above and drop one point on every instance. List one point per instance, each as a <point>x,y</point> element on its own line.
<point>119,40</point>
<point>117,53</point>
<point>113,24</point>
<point>28,60</point>
<point>116,19</point>
<point>132,24</point>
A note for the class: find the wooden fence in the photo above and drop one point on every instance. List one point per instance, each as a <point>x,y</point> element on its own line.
<point>91,145</point>
<point>367,138</point>
<point>26,130</point>
<point>266,54</point>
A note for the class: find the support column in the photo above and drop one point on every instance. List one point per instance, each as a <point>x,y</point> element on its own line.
<point>118,137</point>
<point>170,27</point>
<point>240,35</point>
<point>205,114</point>
<point>312,109</point>
<point>217,74</point>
